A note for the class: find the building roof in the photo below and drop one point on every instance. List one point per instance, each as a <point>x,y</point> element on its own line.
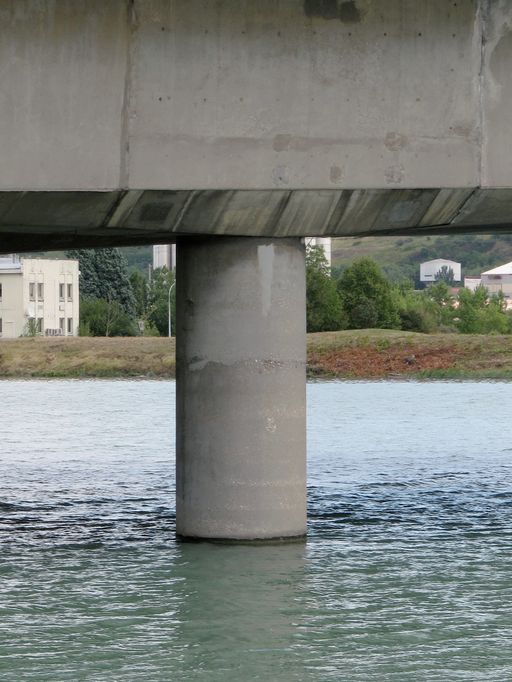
<point>10,264</point>
<point>501,270</point>
<point>440,260</point>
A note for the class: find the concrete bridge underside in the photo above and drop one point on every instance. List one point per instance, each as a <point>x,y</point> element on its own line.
<point>235,128</point>
<point>57,220</point>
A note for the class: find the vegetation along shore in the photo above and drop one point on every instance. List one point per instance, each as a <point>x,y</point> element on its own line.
<point>354,354</point>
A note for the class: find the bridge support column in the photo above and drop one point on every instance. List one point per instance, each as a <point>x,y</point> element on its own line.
<point>240,408</point>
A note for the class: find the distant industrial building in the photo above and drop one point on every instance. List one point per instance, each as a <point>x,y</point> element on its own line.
<point>472,282</point>
<point>325,243</point>
<point>164,256</point>
<point>38,295</point>
<point>498,279</point>
<point>429,271</point>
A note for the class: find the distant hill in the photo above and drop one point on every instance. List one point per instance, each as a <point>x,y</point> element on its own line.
<point>400,257</point>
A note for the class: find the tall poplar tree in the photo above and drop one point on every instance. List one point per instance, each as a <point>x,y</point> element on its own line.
<point>104,275</point>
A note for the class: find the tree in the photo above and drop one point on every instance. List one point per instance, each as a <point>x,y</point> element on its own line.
<point>445,274</point>
<point>479,314</point>
<point>324,311</point>
<point>418,311</point>
<point>103,275</point>
<point>99,317</point>
<point>139,286</point>
<point>439,293</point>
<point>158,300</point>
<point>367,296</point>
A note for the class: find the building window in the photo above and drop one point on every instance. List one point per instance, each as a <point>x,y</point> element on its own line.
<point>61,292</point>
<point>32,291</point>
<point>39,327</point>
<point>0,291</point>
<point>70,292</point>
<point>70,325</point>
<point>61,324</point>
<point>1,328</point>
<point>40,292</point>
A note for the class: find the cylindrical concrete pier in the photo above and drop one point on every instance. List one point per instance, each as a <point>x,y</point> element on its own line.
<point>241,389</point>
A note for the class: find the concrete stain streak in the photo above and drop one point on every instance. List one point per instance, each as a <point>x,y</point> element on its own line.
<point>335,174</point>
<point>266,270</point>
<point>464,205</point>
<point>324,9</point>
<point>349,12</point>
<point>124,167</point>
<point>480,28</point>
<point>346,10</point>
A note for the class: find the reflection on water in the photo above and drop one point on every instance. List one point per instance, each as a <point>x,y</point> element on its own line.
<point>406,574</point>
<point>190,612</point>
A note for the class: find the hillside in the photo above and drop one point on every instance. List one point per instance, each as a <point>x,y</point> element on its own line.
<point>400,257</point>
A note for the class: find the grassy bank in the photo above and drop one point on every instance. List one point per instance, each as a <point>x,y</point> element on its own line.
<point>360,354</point>
<point>378,354</point>
<point>87,357</point>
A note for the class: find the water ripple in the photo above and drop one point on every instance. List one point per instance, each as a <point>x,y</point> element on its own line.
<point>406,574</point>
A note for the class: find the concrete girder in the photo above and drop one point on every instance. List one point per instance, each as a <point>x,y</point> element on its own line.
<point>103,95</point>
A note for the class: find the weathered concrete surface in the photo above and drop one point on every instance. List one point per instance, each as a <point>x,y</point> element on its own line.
<point>56,220</point>
<point>64,72</point>
<point>240,408</point>
<point>237,94</point>
<point>138,121</point>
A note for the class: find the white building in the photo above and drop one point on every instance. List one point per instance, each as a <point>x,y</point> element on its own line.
<point>430,269</point>
<point>472,282</point>
<point>39,290</point>
<point>164,255</point>
<point>498,279</point>
<point>325,243</point>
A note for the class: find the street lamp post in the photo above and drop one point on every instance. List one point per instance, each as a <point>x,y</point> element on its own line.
<point>169,300</point>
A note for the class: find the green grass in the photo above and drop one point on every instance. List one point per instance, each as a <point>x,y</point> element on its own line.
<point>357,354</point>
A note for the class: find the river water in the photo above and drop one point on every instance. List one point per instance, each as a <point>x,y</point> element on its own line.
<point>406,575</point>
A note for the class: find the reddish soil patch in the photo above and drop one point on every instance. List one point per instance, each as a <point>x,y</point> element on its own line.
<point>368,362</point>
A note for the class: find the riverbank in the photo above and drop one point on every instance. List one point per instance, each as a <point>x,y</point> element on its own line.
<point>357,354</point>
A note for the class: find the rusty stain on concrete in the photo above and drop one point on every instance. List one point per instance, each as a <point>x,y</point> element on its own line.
<point>395,141</point>
<point>335,174</point>
<point>463,130</point>
<point>281,142</point>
